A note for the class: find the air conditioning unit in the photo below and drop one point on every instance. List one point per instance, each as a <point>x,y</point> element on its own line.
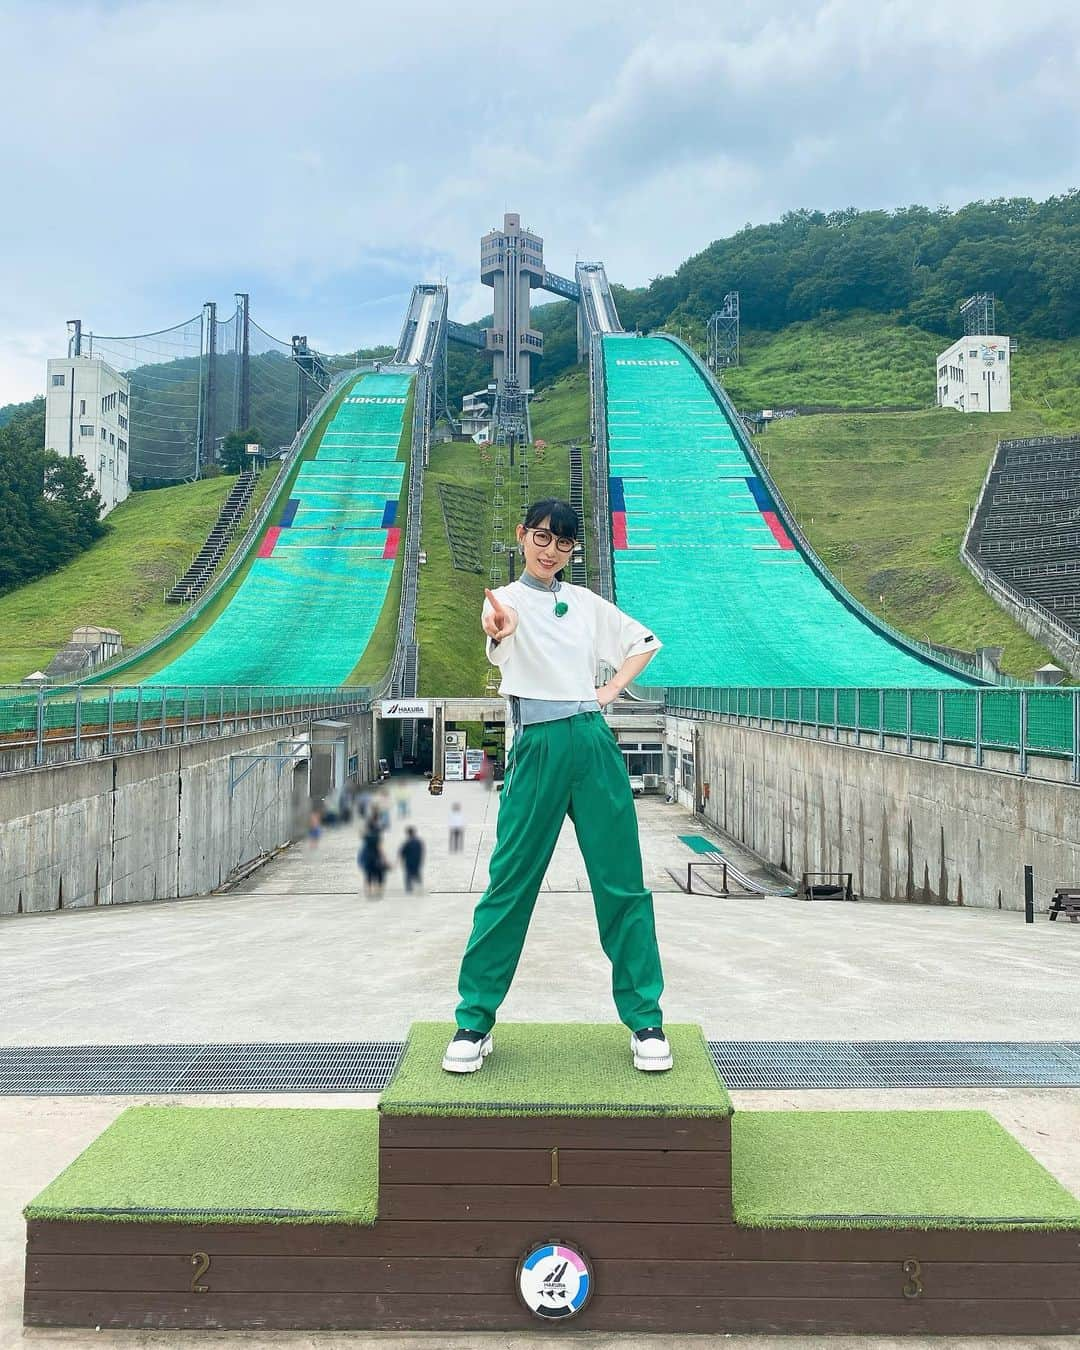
<point>652,780</point>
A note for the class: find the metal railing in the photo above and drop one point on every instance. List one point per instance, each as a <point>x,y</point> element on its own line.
<point>1025,723</point>
<point>601,496</point>
<point>59,724</point>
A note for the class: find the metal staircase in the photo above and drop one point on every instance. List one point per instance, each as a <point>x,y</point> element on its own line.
<point>579,575</point>
<point>203,566</point>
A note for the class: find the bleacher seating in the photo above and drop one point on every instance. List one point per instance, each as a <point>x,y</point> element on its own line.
<point>702,555</point>
<point>1027,529</point>
<point>306,609</point>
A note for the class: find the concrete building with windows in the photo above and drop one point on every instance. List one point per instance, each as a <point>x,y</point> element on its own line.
<point>476,416</point>
<point>87,411</point>
<point>973,375</point>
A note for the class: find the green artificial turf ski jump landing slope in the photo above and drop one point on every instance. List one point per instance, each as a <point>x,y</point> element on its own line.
<point>563,1069</point>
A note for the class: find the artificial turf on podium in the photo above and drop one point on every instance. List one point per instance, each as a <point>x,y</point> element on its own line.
<point>214,1165</point>
<point>564,1069</point>
<point>889,1169</point>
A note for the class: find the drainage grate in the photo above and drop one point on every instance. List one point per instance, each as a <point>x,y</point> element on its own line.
<point>148,1070</point>
<point>366,1066</point>
<point>896,1064</point>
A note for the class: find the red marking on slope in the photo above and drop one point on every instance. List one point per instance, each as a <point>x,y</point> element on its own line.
<point>778,532</point>
<point>618,529</point>
<point>393,535</point>
<point>266,548</point>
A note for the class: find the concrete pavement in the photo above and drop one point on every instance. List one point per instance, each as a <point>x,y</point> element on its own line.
<point>295,953</point>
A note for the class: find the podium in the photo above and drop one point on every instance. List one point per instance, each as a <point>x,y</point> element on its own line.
<point>560,1185</point>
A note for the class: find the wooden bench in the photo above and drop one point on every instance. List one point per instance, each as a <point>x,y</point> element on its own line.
<point>1066,900</point>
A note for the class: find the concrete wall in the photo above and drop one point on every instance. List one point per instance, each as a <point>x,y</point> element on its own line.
<point>153,825</point>
<point>908,828</point>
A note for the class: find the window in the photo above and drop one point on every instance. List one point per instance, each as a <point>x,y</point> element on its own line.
<point>122,447</point>
<point>104,433</point>
<point>112,466</point>
<point>1001,356</point>
<point>123,398</point>
<point>123,421</point>
<point>82,407</point>
<point>112,439</point>
<point>86,428</point>
<point>972,354</point>
<point>57,380</point>
<point>102,464</point>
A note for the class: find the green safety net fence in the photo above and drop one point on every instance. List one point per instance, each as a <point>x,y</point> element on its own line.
<point>703,563</point>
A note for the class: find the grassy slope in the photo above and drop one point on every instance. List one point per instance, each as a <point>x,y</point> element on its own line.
<point>452,657</point>
<point>144,669</point>
<point>854,362</point>
<point>884,499</point>
<point>117,583</point>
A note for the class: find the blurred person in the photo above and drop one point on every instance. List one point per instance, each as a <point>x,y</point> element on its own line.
<point>402,796</point>
<point>371,861</point>
<point>314,826</point>
<point>457,828</point>
<point>411,854</point>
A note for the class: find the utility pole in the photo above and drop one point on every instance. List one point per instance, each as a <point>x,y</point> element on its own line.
<point>209,427</point>
<point>243,417</point>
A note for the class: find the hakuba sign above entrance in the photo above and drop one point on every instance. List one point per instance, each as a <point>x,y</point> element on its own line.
<point>405,707</point>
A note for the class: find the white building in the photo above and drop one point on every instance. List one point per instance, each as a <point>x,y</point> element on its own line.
<point>86,414</point>
<point>476,416</point>
<point>973,375</point>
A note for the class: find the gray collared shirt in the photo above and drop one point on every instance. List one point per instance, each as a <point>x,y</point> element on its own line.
<point>525,711</point>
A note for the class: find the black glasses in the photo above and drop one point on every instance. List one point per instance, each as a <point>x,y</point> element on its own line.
<point>541,538</point>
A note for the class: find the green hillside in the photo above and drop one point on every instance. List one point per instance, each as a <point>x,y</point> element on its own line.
<point>119,581</point>
<point>884,499</point>
<point>452,659</point>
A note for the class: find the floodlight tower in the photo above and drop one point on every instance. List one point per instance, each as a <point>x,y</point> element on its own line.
<point>977,312</point>
<point>512,261</point>
<point>723,334</point>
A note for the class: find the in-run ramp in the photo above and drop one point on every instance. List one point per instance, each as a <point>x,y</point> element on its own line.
<point>701,552</point>
<point>307,607</point>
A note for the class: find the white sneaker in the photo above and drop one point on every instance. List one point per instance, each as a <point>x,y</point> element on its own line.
<point>467,1051</point>
<point>651,1051</point>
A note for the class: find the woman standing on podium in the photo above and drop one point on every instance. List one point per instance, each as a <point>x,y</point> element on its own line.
<point>547,638</point>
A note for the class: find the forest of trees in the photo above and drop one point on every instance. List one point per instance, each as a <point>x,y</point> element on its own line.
<point>48,505</point>
<point>914,263</point>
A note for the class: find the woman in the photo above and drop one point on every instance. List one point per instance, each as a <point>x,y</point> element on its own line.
<point>547,638</point>
<point>371,860</point>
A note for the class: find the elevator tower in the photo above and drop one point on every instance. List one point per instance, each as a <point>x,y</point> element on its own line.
<point>512,261</point>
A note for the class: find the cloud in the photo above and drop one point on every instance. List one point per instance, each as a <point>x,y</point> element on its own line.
<point>161,152</point>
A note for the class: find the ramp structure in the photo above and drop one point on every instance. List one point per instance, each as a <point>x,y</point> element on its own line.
<point>308,605</point>
<point>704,550</point>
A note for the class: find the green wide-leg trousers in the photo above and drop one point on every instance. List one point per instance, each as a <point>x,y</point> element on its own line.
<point>572,766</point>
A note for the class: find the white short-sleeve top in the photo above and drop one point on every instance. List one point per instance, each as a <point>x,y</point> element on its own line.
<point>557,658</point>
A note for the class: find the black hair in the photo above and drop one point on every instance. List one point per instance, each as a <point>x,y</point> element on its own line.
<point>564,519</point>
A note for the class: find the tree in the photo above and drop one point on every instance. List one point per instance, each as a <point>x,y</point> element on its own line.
<point>234,455</point>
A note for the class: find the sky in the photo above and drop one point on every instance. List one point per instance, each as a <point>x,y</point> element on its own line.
<point>155,154</point>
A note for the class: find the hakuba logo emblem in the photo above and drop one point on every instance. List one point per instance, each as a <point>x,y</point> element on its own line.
<point>554,1281</point>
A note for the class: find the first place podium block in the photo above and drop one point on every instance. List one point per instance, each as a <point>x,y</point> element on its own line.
<point>557,1182</point>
